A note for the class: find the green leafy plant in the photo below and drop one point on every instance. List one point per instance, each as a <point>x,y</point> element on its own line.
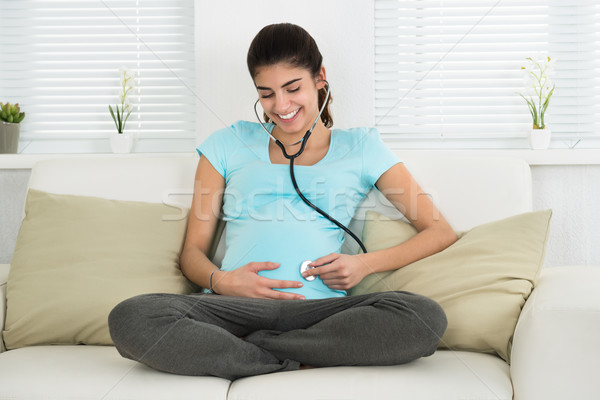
<point>122,112</point>
<point>538,77</point>
<point>11,113</point>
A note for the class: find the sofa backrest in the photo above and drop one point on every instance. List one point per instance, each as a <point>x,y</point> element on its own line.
<point>468,190</point>
<point>145,178</point>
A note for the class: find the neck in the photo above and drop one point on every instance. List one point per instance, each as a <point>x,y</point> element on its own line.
<point>285,138</point>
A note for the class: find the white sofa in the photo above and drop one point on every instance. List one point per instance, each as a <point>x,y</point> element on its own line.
<point>554,354</point>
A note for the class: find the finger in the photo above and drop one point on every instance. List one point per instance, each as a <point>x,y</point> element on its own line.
<point>280,295</point>
<point>320,271</point>
<point>311,272</point>
<point>330,271</point>
<point>280,284</point>
<point>335,282</point>
<point>263,266</point>
<point>338,287</point>
<point>325,260</point>
<point>338,283</point>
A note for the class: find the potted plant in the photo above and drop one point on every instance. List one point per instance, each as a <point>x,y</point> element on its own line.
<point>538,78</point>
<point>10,117</point>
<point>121,142</point>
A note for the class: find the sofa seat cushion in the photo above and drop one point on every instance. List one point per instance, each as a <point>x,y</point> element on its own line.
<point>447,375</point>
<point>94,372</point>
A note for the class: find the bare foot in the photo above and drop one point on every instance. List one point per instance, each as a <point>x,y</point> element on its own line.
<point>303,366</point>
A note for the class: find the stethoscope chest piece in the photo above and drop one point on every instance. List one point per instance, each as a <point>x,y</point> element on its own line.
<point>305,267</point>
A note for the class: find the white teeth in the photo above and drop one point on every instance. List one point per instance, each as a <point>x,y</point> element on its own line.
<point>290,115</point>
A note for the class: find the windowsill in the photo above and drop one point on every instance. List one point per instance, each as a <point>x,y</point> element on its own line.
<point>26,161</point>
<point>532,157</point>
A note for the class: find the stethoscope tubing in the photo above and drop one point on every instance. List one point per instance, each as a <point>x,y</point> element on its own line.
<point>323,213</point>
<point>291,157</point>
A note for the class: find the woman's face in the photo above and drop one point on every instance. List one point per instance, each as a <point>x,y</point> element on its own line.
<point>289,95</point>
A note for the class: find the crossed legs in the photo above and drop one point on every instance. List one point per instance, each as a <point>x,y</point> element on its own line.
<point>233,337</point>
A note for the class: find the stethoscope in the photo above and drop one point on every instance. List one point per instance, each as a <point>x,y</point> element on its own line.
<point>304,265</point>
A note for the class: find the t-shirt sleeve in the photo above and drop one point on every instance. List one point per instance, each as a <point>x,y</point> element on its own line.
<point>377,157</point>
<point>214,148</point>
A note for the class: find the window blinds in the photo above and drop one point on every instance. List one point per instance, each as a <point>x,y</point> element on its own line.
<point>60,61</point>
<point>447,73</point>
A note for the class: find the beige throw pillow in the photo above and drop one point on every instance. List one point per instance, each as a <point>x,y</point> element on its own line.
<point>481,281</point>
<point>77,257</point>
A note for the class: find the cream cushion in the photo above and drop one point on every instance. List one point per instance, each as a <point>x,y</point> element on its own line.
<point>76,257</point>
<point>481,281</point>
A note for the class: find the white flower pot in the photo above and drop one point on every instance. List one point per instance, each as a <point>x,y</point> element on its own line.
<point>539,139</point>
<point>121,143</point>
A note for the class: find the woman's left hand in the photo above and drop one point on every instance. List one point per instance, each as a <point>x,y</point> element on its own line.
<point>339,271</point>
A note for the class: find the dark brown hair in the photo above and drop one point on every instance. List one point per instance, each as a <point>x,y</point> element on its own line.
<point>288,43</point>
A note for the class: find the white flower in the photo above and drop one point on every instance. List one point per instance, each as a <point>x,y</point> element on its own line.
<point>539,87</point>
<point>127,77</point>
<point>120,114</point>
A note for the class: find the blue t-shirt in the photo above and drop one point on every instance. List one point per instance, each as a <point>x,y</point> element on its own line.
<point>267,220</point>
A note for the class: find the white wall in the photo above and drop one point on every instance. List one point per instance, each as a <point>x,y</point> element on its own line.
<point>343,30</point>
<point>572,192</point>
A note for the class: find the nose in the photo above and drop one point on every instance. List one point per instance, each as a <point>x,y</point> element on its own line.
<point>282,103</point>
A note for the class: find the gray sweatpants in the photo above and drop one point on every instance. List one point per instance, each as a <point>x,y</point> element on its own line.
<point>233,337</point>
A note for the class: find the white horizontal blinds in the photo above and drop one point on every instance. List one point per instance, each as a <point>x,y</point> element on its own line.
<point>447,73</point>
<point>60,61</point>
<point>575,44</point>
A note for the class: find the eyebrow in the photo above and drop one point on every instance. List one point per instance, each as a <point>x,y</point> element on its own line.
<point>284,85</point>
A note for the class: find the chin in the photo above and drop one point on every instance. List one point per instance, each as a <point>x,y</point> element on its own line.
<point>293,127</point>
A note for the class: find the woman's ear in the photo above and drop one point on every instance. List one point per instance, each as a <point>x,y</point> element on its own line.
<point>321,78</point>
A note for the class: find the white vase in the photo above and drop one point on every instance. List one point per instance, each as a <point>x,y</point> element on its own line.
<point>539,139</point>
<point>121,143</point>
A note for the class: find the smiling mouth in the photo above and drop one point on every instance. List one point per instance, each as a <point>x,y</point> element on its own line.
<point>289,116</point>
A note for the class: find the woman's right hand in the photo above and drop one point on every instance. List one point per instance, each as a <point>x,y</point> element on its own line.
<point>246,282</point>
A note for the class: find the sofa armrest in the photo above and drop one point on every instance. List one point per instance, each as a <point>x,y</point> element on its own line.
<point>3,279</point>
<point>555,352</point>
